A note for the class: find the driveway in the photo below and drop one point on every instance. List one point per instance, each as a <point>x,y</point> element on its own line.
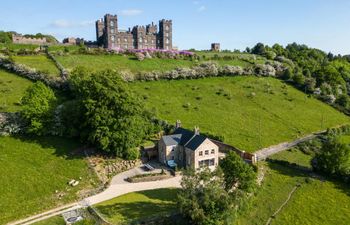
<point>117,188</point>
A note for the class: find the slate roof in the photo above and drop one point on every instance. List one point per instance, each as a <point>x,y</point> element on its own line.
<point>170,140</point>
<point>195,142</point>
<point>185,138</point>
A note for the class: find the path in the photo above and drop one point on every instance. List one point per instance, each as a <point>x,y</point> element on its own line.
<point>117,188</point>
<point>266,152</point>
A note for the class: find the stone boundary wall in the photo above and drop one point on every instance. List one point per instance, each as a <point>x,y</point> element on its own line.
<point>32,74</point>
<point>226,147</point>
<point>63,71</point>
<point>149,178</point>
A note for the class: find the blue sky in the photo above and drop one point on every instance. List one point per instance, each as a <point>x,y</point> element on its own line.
<point>236,24</point>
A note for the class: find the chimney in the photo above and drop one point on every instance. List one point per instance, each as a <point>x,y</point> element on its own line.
<point>196,131</point>
<point>178,124</point>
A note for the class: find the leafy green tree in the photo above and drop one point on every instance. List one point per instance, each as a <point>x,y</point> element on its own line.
<point>114,119</point>
<point>39,103</point>
<point>299,79</point>
<point>343,100</point>
<point>334,158</point>
<point>287,74</point>
<point>237,173</point>
<point>258,49</point>
<point>203,198</point>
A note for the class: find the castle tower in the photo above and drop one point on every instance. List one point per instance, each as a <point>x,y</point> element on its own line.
<point>165,35</point>
<point>99,31</point>
<point>110,31</point>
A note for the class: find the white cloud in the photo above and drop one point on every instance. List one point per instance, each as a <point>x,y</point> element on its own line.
<point>70,24</point>
<point>131,12</point>
<point>202,8</point>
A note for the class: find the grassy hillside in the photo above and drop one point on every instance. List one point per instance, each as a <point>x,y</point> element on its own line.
<point>31,172</point>
<point>249,112</point>
<point>40,63</point>
<point>130,63</point>
<point>330,204</point>
<point>12,88</point>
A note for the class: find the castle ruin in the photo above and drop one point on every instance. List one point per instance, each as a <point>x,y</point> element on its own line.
<point>110,36</point>
<point>20,39</point>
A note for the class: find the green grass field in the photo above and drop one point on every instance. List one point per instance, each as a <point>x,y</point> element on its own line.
<point>17,47</point>
<point>249,112</point>
<point>293,156</point>
<point>40,63</point>
<point>315,202</point>
<point>138,205</point>
<point>129,63</point>
<point>33,169</point>
<point>12,88</point>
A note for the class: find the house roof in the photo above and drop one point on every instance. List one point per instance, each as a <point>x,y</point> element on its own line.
<point>186,135</point>
<point>195,142</point>
<point>185,138</point>
<point>170,140</point>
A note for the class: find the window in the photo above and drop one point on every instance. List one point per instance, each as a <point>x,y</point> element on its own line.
<point>206,163</point>
<point>146,41</point>
<point>112,31</point>
<point>201,153</point>
<point>152,41</point>
<point>173,149</point>
<point>213,151</point>
<point>140,40</point>
<point>119,40</point>
<point>167,41</point>
<point>113,39</point>
<point>212,162</point>
<point>112,23</point>
<point>166,34</point>
<point>126,46</point>
<point>206,152</point>
<point>125,40</point>
<point>167,28</point>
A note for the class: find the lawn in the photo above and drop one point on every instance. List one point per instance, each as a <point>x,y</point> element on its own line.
<point>40,63</point>
<point>249,112</point>
<point>314,202</point>
<point>138,205</point>
<point>12,88</point>
<point>17,47</point>
<point>33,170</point>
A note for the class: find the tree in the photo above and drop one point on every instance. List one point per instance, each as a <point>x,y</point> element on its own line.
<point>298,78</point>
<point>39,102</point>
<point>343,100</point>
<point>237,173</point>
<point>258,49</point>
<point>203,198</point>
<point>114,119</point>
<point>333,159</point>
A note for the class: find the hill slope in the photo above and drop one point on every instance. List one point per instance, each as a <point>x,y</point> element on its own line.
<point>249,112</point>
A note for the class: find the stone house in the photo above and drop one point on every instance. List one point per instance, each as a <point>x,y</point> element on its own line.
<point>185,148</point>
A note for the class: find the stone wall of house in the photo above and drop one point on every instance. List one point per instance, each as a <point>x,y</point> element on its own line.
<point>207,145</point>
